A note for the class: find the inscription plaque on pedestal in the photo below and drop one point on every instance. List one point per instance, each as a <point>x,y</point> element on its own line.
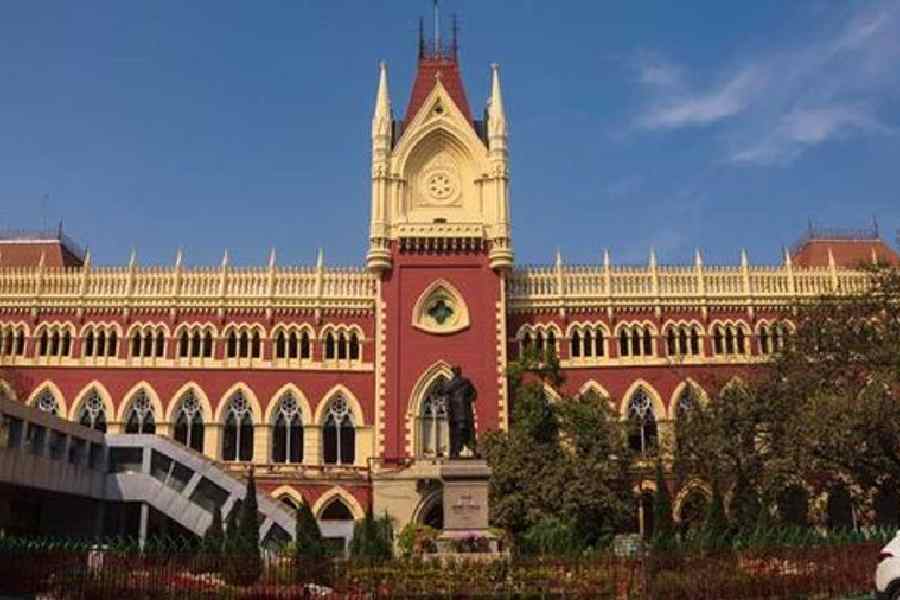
<point>465,495</point>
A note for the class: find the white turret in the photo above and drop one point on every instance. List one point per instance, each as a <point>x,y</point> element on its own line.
<point>383,117</point>
<point>379,257</point>
<point>497,125</point>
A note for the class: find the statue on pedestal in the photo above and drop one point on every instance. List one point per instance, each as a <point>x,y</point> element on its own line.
<point>460,394</point>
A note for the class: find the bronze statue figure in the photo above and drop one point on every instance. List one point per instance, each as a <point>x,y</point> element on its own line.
<point>460,394</point>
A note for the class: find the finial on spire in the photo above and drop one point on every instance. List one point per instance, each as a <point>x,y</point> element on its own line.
<point>383,115</point>
<point>559,260</point>
<point>652,257</point>
<point>788,261</point>
<point>496,112</point>
<point>320,259</point>
<point>745,261</point>
<point>698,258</point>
<point>179,258</point>
<point>272,258</point>
<point>132,260</point>
<point>606,260</point>
<point>225,258</point>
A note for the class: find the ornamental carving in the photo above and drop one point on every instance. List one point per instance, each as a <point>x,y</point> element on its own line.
<point>439,183</point>
<point>440,310</point>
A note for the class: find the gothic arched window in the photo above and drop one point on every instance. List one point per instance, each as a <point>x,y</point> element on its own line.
<point>304,345</point>
<point>287,437</point>
<point>642,434</point>
<point>238,441</point>
<point>329,346</point>
<point>189,422</point>
<point>434,429</point>
<point>339,434</point>
<point>280,345</point>
<point>140,417</point>
<point>47,402</point>
<point>686,402</point>
<point>624,342</point>
<point>354,346</point>
<point>93,412</point>
<point>184,344</point>
<point>89,343</point>
<point>588,343</point>
<point>575,342</point>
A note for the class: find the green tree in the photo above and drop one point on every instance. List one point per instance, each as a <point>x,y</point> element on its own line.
<point>663,523</point>
<point>309,543</point>
<point>562,460</point>
<point>372,538</point>
<point>715,527</point>
<point>242,539</point>
<point>214,538</point>
<point>841,368</point>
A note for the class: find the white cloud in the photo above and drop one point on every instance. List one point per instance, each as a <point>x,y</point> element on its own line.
<point>802,128</point>
<point>776,105</point>
<point>723,101</point>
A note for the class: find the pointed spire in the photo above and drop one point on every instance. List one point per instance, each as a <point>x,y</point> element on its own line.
<point>132,260</point>
<point>225,258</point>
<point>179,258</point>
<point>652,258</point>
<point>272,258</point>
<point>874,256</point>
<point>320,259</point>
<point>497,125</point>
<point>87,257</point>
<point>698,258</point>
<point>42,259</point>
<point>830,258</point>
<point>606,260</point>
<point>559,260</point>
<point>745,261</point>
<point>788,262</point>
<point>383,115</point>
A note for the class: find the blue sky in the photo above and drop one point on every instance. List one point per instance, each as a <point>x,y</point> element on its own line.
<point>245,125</point>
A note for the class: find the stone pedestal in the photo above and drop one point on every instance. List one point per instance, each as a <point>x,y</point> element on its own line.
<point>465,483</point>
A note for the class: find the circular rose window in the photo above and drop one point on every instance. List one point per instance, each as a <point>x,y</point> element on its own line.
<point>439,186</point>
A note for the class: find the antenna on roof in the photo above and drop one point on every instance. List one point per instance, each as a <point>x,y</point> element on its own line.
<point>421,38</point>
<point>437,30</point>
<point>454,48</point>
<point>44,199</point>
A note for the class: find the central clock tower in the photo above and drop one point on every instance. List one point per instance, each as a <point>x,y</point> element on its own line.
<point>440,245</point>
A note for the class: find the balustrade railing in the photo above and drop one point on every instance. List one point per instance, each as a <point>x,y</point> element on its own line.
<point>616,284</point>
<point>174,286</point>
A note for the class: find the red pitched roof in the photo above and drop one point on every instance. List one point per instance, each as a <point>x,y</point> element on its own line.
<point>28,254</point>
<point>847,253</point>
<point>426,75</point>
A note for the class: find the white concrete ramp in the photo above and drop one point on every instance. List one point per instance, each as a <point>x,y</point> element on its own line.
<point>41,451</point>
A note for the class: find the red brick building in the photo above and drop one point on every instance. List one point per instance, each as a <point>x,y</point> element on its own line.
<point>321,377</point>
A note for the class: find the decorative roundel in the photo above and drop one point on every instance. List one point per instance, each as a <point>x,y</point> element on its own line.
<point>439,186</point>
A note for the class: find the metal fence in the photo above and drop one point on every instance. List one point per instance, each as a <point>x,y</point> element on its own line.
<point>821,571</point>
